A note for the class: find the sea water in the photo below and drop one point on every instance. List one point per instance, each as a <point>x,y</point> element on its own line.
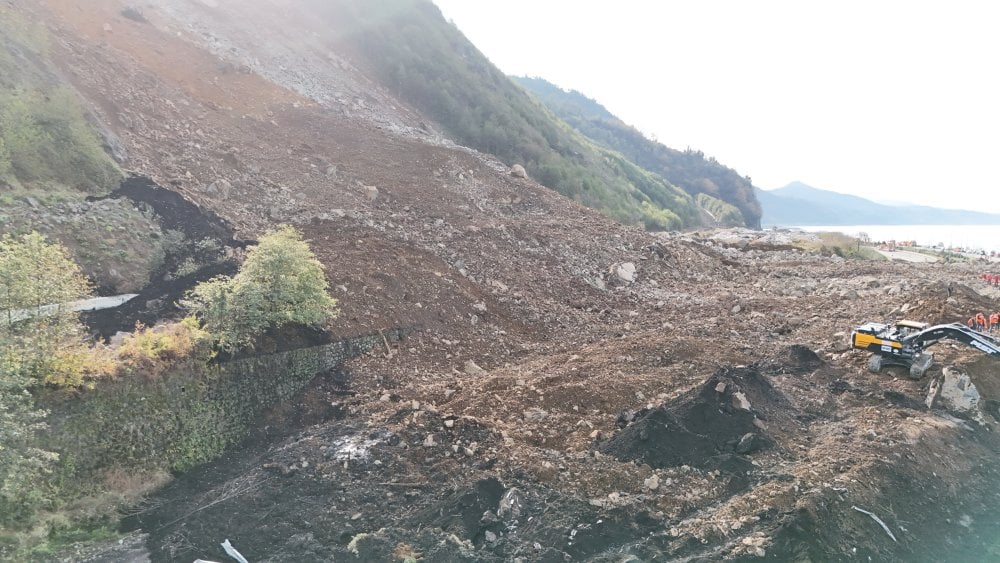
<point>968,237</point>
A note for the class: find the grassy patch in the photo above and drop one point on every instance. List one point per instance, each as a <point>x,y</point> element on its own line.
<point>47,143</point>
<point>839,244</point>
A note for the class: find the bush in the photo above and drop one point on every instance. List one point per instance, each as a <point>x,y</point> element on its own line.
<point>34,274</point>
<point>279,283</point>
<point>152,351</point>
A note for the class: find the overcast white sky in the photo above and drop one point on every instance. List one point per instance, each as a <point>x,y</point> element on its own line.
<point>888,100</point>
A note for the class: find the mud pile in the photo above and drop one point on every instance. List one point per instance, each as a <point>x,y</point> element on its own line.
<point>710,427</point>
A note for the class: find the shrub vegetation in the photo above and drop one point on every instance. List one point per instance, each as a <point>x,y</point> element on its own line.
<point>279,283</point>
<point>33,273</point>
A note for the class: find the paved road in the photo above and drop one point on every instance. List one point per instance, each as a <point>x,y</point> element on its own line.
<point>94,304</point>
<point>907,256</point>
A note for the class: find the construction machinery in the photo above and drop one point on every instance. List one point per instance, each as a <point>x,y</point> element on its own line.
<point>905,343</point>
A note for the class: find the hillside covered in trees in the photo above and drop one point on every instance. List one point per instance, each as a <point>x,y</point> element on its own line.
<point>689,169</point>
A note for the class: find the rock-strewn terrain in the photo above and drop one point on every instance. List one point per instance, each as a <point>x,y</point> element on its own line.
<point>571,389</point>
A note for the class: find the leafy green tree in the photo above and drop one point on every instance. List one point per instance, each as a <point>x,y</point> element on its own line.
<point>33,275</point>
<point>279,283</point>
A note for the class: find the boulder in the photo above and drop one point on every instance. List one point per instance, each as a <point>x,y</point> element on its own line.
<point>220,188</point>
<point>472,368</point>
<point>625,271</point>
<point>955,392</point>
<point>518,171</point>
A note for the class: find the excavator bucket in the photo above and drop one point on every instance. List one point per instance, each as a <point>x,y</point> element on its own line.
<point>921,363</point>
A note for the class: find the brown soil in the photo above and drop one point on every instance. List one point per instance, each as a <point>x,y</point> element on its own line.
<point>492,432</point>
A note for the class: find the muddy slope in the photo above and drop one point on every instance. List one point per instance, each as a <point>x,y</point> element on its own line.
<point>203,248</point>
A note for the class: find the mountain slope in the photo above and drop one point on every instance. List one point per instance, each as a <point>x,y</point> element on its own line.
<point>800,204</point>
<point>429,64</point>
<point>689,169</point>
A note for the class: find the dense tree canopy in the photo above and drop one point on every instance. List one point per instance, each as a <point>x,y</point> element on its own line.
<point>688,169</point>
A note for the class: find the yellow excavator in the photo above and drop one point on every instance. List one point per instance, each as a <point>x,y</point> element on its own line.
<point>905,343</point>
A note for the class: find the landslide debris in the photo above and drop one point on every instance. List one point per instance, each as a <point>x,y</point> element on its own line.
<point>718,417</point>
<point>530,337</point>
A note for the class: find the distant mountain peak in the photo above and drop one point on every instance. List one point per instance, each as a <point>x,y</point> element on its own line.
<point>798,203</point>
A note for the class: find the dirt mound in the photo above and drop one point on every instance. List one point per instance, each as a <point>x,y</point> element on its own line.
<point>796,359</point>
<point>715,419</point>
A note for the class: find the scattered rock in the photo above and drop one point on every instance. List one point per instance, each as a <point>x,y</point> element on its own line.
<point>749,443</point>
<point>740,401</point>
<point>133,13</point>
<point>220,188</point>
<point>535,414</point>
<point>472,368</point>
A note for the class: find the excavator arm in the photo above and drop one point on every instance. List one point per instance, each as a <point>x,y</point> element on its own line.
<point>932,335</point>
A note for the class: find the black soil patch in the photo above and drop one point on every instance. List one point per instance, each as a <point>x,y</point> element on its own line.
<point>932,518</point>
<point>158,300</point>
<point>462,512</point>
<point>795,360</point>
<point>705,428</point>
<point>175,211</point>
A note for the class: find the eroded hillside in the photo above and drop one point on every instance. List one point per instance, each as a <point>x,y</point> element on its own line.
<point>568,388</point>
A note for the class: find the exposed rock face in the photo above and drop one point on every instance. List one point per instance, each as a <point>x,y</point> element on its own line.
<point>955,392</point>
